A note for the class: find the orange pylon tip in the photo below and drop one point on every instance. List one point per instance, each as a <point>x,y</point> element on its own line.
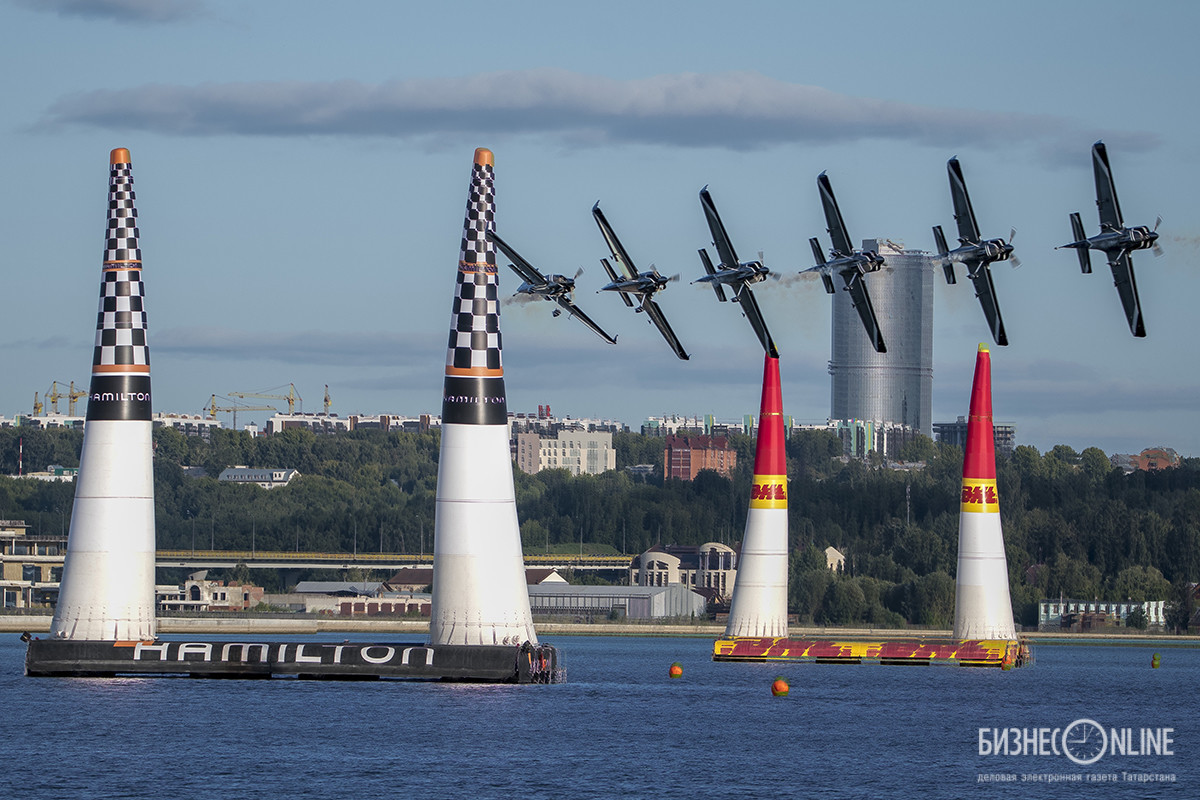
<point>119,156</point>
<point>483,157</point>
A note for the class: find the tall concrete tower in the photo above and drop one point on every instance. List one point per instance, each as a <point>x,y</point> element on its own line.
<point>896,386</point>
<point>107,590</point>
<point>759,606</point>
<point>479,592</point>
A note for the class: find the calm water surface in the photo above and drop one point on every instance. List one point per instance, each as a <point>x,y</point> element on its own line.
<point>618,727</point>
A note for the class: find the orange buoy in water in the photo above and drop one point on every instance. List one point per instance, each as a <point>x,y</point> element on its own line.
<point>676,670</point>
<point>1154,661</point>
<point>780,687</point>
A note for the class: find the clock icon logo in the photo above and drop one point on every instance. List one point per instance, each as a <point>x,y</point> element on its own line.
<point>1084,741</point>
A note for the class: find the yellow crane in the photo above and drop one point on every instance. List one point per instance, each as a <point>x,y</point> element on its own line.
<point>37,405</point>
<point>212,408</point>
<point>73,395</point>
<point>292,397</point>
<point>327,400</point>
<point>53,395</point>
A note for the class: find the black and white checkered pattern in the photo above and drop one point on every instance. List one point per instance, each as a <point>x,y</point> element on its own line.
<point>481,216</point>
<point>475,322</point>
<point>475,315</point>
<point>121,243</point>
<point>121,323</point>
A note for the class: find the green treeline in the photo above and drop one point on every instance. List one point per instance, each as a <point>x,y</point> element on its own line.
<point>1073,525</point>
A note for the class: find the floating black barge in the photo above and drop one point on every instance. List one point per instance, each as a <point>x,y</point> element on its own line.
<point>319,661</point>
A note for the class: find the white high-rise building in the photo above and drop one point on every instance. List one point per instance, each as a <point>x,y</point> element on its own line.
<point>896,386</point>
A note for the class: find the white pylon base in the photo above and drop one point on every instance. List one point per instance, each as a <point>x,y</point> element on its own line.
<point>479,592</point>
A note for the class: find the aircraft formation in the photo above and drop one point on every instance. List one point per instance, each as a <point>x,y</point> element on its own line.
<point>975,253</point>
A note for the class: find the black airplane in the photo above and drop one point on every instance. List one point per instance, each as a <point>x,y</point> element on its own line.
<point>851,264</point>
<point>1115,240</point>
<point>737,275</point>
<point>558,288</point>
<point>643,284</point>
<point>976,253</point>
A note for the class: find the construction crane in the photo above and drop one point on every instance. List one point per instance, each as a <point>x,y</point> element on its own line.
<point>53,395</point>
<point>212,408</point>
<point>73,395</point>
<point>327,400</point>
<point>292,396</point>
<point>37,405</point>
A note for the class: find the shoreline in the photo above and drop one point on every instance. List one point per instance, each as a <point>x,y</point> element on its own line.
<point>40,624</point>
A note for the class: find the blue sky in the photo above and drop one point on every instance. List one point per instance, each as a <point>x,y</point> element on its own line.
<point>301,173</point>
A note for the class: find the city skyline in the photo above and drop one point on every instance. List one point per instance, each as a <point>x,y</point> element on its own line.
<point>300,197</point>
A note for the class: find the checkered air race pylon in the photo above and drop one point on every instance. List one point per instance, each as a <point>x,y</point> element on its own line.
<point>479,591</point>
<point>759,606</point>
<point>982,604</point>
<point>107,590</point>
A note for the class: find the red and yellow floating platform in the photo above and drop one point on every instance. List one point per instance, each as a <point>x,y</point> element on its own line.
<point>920,651</point>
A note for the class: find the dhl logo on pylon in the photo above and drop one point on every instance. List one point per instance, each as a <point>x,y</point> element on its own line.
<point>770,491</point>
<point>979,496</point>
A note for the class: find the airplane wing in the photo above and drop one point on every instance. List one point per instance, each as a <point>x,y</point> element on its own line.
<point>527,271</point>
<point>833,217</point>
<point>754,314</point>
<point>866,312</point>
<point>614,244</point>
<point>964,215</point>
<point>577,312</point>
<point>1106,190</point>
<point>721,239</point>
<point>985,290</point>
<point>660,321</point>
<point>1122,270</point>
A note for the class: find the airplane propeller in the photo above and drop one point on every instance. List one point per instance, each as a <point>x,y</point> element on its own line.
<point>775,276</point>
<point>1016,262</point>
<point>1157,249</point>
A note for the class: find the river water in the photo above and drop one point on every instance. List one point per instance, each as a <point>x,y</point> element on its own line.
<point>618,727</point>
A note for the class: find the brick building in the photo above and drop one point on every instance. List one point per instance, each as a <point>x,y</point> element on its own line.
<point>685,456</point>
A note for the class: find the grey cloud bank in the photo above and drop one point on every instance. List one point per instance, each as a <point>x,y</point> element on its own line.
<point>135,11</point>
<point>734,110</point>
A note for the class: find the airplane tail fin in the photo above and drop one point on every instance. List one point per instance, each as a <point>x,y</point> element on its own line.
<point>817,253</point>
<point>612,275</point>
<point>708,268</point>
<point>1080,244</point>
<point>947,265</point>
<point>826,278</point>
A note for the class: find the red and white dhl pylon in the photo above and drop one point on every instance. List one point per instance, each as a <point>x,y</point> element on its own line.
<point>982,603</point>
<point>107,589</point>
<point>479,592</point>
<point>759,606</point>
